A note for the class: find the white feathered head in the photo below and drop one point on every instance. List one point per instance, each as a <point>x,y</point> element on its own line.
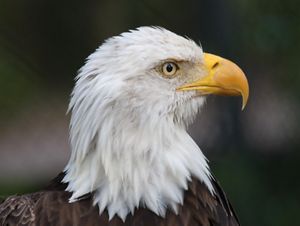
<point>131,103</point>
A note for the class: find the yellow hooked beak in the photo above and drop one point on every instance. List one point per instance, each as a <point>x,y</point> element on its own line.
<point>223,77</point>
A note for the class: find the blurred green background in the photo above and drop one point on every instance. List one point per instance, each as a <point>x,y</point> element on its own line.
<point>254,153</point>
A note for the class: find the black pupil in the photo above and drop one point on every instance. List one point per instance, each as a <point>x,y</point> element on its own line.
<point>169,68</point>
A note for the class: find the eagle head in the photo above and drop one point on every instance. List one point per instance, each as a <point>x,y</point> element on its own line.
<point>129,109</point>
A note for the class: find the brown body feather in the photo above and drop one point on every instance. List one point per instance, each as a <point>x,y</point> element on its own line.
<point>50,207</point>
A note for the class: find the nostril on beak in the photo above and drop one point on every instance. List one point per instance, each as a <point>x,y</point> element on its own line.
<point>215,65</point>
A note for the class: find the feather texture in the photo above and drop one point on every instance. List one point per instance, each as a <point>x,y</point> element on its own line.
<point>51,208</point>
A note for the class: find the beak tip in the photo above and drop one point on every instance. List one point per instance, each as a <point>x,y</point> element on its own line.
<point>245,100</point>
<point>243,107</point>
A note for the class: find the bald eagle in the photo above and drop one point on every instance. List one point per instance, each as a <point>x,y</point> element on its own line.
<point>132,161</point>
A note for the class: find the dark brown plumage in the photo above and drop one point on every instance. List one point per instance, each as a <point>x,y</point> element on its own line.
<point>50,207</point>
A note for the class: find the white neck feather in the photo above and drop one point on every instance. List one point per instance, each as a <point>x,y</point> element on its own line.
<point>131,165</point>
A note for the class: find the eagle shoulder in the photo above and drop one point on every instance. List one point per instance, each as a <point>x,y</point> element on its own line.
<point>18,210</point>
<point>51,207</point>
<point>208,209</point>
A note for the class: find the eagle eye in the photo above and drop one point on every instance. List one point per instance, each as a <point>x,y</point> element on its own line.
<point>169,69</point>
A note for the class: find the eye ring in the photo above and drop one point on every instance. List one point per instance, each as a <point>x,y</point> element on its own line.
<point>169,69</point>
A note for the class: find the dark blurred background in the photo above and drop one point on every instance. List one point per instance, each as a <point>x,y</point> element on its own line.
<point>254,153</point>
